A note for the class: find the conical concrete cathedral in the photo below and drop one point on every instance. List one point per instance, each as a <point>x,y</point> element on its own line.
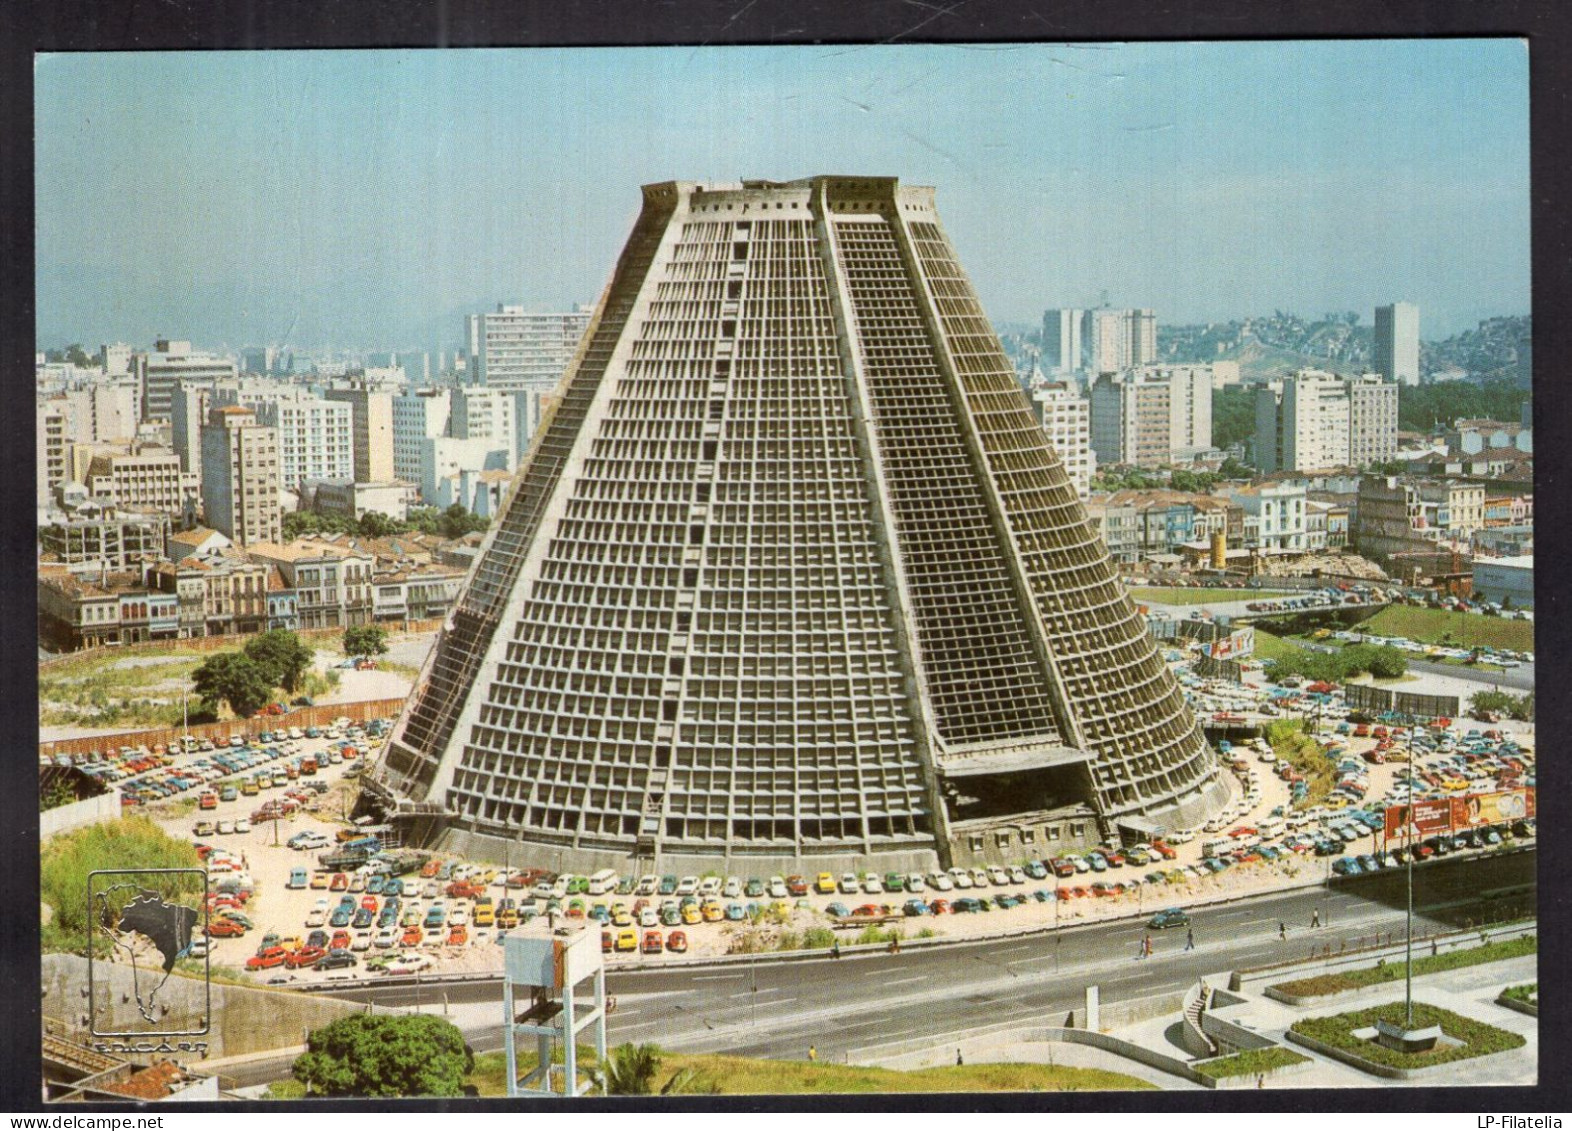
<point>792,575</point>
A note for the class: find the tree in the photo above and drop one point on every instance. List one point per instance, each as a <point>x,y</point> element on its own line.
<point>457,521</point>
<point>281,656</point>
<point>1233,416</point>
<point>630,1070</point>
<point>1233,469</point>
<point>77,356</point>
<point>236,679</point>
<point>409,1055</point>
<point>365,640</point>
<point>1388,662</point>
<point>297,524</point>
<point>375,524</point>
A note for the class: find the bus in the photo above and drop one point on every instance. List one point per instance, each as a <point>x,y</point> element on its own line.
<point>603,881</point>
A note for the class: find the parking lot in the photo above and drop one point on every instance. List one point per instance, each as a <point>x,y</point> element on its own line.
<point>448,915</point>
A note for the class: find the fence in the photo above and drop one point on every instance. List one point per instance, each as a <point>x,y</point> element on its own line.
<point>1231,670</point>
<point>319,715</point>
<point>219,643</point>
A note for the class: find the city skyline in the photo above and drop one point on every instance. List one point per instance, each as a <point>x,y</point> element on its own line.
<point>358,199</point>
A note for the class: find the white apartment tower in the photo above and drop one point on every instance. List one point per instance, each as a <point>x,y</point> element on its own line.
<point>1066,417</point>
<point>418,416</point>
<point>1396,350</point>
<point>240,476</point>
<point>1313,419</point>
<point>1151,415</point>
<point>1116,340</point>
<point>1062,341</point>
<point>514,349</point>
<point>169,364</point>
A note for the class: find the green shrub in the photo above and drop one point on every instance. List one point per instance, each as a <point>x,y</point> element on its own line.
<point>1322,984</point>
<point>1475,1037</point>
<point>818,938</point>
<point>1250,1062</point>
<point>131,842</point>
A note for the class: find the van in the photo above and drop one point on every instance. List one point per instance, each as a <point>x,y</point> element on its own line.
<point>1217,846</point>
<point>1271,827</point>
<point>603,881</point>
<point>297,879</point>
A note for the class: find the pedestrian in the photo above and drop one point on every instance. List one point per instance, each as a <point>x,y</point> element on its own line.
<point>1432,947</point>
<point>1147,944</point>
<point>958,1060</point>
<point>813,1053</point>
<point>835,948</point>
<point>1315,918</point>
<point>1260,1080</point>
<point>1282,929</point>
<point>1189,939</point>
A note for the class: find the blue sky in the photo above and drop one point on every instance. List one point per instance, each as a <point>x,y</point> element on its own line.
<point>366,199</point>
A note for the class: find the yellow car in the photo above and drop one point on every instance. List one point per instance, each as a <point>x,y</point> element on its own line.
<point>485,915</point>
<point>319,881</point>
<point>780,907</point>
<point>825,884</point>
<point>691,915</point>
<point>713,913</point>
<point>627,940</point>
<point>620,916</point>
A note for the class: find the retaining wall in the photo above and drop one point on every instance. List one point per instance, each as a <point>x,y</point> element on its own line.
<point>88,811</point>
<point>245,1020</point>
<point>319,715</point>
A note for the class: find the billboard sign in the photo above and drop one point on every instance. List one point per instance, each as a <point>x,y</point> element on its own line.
<point>1475,809</point>
<point>1429,817</point>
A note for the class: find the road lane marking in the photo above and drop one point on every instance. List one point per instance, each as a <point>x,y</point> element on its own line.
<point>903,981</point>
<point>717,977</point>
<point>760,990</point>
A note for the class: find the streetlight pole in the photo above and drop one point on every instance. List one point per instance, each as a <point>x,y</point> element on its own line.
<point>1408,966</point>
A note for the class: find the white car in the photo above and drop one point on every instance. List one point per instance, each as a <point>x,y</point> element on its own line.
<point>318,914</point>
<point>361,941</point>
<point>198,948</point>
<point>225,828</point>
<point>961,877</point>
<point>409,964</point>
<point>243,825</point>
<point>914,882</point>
<point>849,883</point>
<point>940,881</point>
<point>1018,875</point>
<point>979,877</point>
<point>648,885</point>
<point>688,885</point>
<point>649,917</point>
<point>311,841</point>
<point>777,887</point>
<point>733,888</point>
<point>997,875</point>
<point>458,917</point>
<point>710,887</point>
<point>871,883</point>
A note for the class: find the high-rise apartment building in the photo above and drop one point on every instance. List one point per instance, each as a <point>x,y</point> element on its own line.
<point>1152,415</point>
<point>53,447</point>
<point>512,349</point>
<point>240,476</point>
<point>1116,340</point>
<point>115,359</point>
<point>102,412</point>
<point>1066,417</point>
<point>793,574</point>
<point>371,422</point>
<point>315,436</point>
<point>1372,419</point>
<point>1062,341</point>
<point>1396,343</point>
<point>147,479</point>
<point>1313,419</point>
<point>418,416</point>
<point>160,371</point>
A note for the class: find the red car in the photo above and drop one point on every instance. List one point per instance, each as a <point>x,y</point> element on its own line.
<point>430,869</point>
<point>796,885</point>
<point>1163,849</point>
<point>340,941</point>
<point>677,942</point>
<point>305,956</point>
<point>653,943</point>
<point>267,959</point>
<point>940,907</point>
<point>224,929</point>
<point>1062,868</point>
<point>606,942</point>
<point>339,882</point>
<point>368,903</point>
